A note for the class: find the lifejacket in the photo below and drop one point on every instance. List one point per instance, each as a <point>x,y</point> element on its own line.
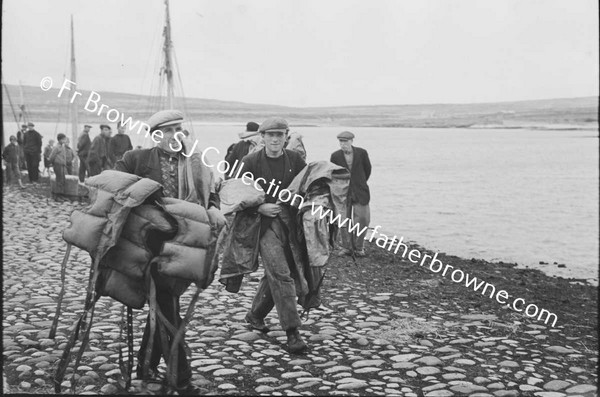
<point>124,237</point>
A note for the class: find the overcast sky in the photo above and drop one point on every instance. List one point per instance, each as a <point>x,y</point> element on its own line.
<point>315,53</point>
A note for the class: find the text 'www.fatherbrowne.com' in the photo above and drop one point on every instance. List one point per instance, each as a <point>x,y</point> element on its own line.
<point>436,265</point>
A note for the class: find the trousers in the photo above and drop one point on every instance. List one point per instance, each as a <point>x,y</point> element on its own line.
<point>83,169</point>
<point>33,162</point>
<point>168,304</point>
<point>13,173</point>
<point>360,214</point>
<point>277,287</point>
<point>60,171</point>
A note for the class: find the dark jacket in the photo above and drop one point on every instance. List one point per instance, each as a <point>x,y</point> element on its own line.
<point>359,174</point>
<point>238,151</point>
<point>98,153</point>
<point>10,154</point>
<point>32,142</point>
<point>256,163</point>
<point>146,163</point>
<point>117,146</point>
<point>83,146</point>
<point>20,137</point>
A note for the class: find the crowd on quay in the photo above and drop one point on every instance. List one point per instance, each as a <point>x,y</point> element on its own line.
<point>25,152</point>
<point>269,152</point>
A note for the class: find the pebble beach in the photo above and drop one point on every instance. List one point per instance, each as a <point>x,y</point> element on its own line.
<point>394,329</point>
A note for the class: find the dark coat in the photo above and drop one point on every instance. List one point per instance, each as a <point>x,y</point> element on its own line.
<point>98,153</point>
<point>10,154</point>
<point>32,142</point>
<point>359,174</point>
<point>20,137</point>
<point>256,163</point>
<point>146,163</point>
<point>238,151</point>
<point>117,146</point>
<point>83,146</point>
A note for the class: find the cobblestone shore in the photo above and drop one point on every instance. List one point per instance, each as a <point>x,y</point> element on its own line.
<point>377,340</point>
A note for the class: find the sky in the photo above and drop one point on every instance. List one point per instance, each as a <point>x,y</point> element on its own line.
<point>314,52</point>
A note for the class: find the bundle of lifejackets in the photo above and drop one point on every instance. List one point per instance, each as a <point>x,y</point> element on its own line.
<point>127,231</point>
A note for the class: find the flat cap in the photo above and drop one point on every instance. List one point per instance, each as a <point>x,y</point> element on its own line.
<point>104,126</point>
<point>30,124</point>
<point>345,135</point>
<point>274,124</point>
<point>165,118</point>
<point>87,126</point>
<point>23,125</point>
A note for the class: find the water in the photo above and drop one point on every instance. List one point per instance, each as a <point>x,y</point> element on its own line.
<point>520,196</point>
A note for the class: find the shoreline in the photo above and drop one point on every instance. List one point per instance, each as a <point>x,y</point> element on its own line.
<point>409,124</point>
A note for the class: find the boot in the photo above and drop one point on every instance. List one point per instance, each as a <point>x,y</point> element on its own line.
<point>256,323</point>
<point>295,342</point>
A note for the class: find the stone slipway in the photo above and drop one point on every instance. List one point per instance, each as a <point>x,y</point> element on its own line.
<point>395,329</point>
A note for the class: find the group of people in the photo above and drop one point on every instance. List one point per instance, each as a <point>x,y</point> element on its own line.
<point>24,151</point>
<point>264,151</point>
<point>103,152</point>
<point>269,153</point>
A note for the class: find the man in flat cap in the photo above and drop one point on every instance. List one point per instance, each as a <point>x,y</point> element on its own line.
<point>32,146</point>
<point>97,158</point>
<point>249,140</point>
<point>274,168</point>
<point>83,149</point>
<point>167,164</point>
<point>356,160</point>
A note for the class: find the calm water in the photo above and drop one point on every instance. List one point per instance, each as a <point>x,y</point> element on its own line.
<point>512,195</point>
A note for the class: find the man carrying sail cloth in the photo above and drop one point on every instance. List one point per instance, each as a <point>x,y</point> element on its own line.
<point>278,166</point>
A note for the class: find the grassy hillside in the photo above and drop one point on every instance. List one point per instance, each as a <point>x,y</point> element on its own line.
<point>552,113</point>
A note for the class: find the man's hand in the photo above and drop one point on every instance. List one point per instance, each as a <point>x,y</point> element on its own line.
<point>270,210</point>
<point>216,218</point>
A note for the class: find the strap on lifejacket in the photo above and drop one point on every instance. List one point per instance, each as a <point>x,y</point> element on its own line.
<point>179,334</point>
<point>61,294</point>
<point>126,371</point>
<point>81,325</point>
<point>151,288</point>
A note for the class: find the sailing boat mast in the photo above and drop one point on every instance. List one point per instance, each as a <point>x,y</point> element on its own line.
<point>168,68</point>
<point>73,106</point>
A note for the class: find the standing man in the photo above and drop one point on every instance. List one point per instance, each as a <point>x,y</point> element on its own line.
<point>275,166</point>
<point>10,155</point>
<point>32,146</point>
<point>83,149</point>
<point>249,140</point>
<point>47,153</point>
<point>59,159</point>
<point>20,139</point>
<point>70,155</point>
<point>97,159</point>
<point>119,144</point>
<point>356,160</point>
<point>164,164</point>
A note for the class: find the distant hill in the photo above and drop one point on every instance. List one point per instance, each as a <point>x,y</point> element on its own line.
<point>552,113</point>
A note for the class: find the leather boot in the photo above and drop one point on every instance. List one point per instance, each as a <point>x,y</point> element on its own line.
<point>256,323</point>
<point>295,342</point>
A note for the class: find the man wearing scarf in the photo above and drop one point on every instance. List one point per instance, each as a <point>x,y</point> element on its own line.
<point>185,178</point>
